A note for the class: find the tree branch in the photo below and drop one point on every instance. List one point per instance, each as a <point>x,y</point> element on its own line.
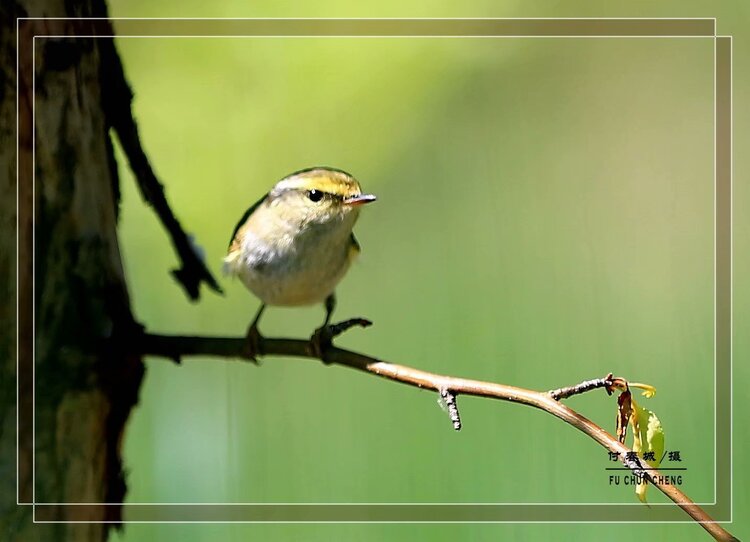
<point>587,385</point>
<point>448,387</point>
<point>116,101</point>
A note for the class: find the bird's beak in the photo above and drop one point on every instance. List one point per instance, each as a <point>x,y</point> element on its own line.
<point>361,199</point>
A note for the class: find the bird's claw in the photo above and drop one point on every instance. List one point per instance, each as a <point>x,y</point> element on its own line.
<point>320,341</point>
<point>252,347</point>
<point>323,337</point>
<point>338,329</point>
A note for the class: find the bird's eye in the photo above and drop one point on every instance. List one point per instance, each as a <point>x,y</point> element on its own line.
<point>315,195</point>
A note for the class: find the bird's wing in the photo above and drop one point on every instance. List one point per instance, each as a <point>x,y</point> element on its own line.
<point>244,218</point>
<point>354,248</point>
<point>234,250</point>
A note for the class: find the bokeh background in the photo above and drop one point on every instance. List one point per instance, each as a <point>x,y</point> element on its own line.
<point>545,216</point>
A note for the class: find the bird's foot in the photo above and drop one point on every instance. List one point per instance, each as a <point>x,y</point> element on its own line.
<point>322,339</point>
<point>252,347</point>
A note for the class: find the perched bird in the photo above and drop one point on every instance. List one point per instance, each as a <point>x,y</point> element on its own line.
<point>294,245</point>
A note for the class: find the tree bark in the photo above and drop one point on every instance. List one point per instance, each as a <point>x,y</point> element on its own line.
<point>84,387</point>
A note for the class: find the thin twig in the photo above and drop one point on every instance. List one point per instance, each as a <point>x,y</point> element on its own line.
<point>583,387</point>
<point>116,101</point>
<point>449,400</point>
<point>174,347</point>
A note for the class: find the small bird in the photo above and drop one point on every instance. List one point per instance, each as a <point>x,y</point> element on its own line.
<point>295,244</point>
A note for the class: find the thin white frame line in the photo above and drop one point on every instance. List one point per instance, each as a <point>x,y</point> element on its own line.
<point>309,521</point>
<point>33,272</point>
<point>369,19</point>
<point>731,278</point>
<point>271,504</point>
<point>715,244</point>
<point>373,36</point>
<point>359,504</point>
<point>18,274</point>
<point>312,504</point>
<point>713,503</point>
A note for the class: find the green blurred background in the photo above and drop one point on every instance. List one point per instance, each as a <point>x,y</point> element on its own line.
<point>545,216</point>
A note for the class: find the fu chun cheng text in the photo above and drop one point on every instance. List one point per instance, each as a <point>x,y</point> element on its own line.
<point>634,479</point>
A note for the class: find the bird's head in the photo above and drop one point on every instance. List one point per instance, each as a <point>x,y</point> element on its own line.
<point>319,195</point>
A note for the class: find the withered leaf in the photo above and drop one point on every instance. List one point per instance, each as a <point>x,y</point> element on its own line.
<point>624,411</point>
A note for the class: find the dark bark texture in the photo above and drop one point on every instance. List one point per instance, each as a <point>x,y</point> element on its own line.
<point>84,386</point>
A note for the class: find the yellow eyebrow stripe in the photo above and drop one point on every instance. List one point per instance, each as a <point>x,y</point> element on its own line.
<point>333,182</point>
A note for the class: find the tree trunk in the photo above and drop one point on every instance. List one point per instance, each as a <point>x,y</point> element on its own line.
<point>84,386</point>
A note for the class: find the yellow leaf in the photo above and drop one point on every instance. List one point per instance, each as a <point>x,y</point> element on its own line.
<point>648,440</point>
<point>648,390</point>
